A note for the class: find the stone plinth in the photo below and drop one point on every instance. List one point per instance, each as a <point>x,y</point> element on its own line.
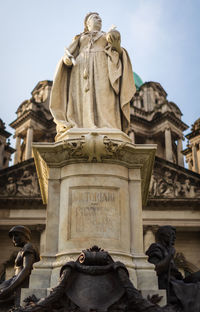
<point>94,184</point>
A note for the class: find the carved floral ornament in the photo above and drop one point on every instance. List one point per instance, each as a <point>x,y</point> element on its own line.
<point>93,148</point>
<point>96,148</point>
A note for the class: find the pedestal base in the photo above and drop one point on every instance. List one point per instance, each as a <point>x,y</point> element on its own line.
<point>94,183</point>
<point>44,292</point>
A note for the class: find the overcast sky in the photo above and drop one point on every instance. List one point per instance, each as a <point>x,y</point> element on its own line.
<point>162,38</point>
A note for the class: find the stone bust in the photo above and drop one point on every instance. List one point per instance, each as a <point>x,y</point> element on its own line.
<point>10,289</point>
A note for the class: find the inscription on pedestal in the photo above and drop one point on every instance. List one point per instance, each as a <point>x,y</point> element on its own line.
<point>94,213</point>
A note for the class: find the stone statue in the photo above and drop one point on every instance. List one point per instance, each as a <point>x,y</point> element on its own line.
<point>93,83</point>
<point>10,289</point>
<point>181,291</point>
<point>161,254</point>
<point>94,282</point>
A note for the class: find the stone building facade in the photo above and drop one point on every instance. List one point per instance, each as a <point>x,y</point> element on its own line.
<point>174,196</point>
<point>192,152</point>
<point>5,149</point>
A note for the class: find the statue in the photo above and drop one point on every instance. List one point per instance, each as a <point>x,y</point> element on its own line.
<point>181,291</point>
<point>94,282</point>
<point>10,289</point>
<point>93,83</point>
<point>161,254</point>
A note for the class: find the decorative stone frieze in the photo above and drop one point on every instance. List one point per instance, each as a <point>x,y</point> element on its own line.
<point>21,182</point>
<point>171,182</point>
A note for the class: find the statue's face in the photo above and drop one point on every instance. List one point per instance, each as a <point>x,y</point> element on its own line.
<point>18,239</point>
<point>169,237</point>
<point>94,22</point>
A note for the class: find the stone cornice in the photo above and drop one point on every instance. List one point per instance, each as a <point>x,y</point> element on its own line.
<point>178,204</point>
<point>5,133</point>
<point>20,165</point>
<point>9,149</point>
<point>25,202</point>
<point>30,115</point>
<point>176,167</point>
<point>170,116</point>
<point>160,118</point>
<point>187,151</point>
<point>93,148</point>
<point>193,134</point>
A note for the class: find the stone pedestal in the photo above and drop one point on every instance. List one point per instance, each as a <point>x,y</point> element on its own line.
<point>94,184</point>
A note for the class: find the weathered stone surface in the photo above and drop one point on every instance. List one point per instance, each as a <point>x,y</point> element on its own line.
<point>19,182</point>
<point>94,186</point>
<point>93,148</point>
<point>93,84</point>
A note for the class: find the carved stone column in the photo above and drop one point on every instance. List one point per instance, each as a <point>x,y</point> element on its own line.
<point>136,211</point>
<point>189,161</point>
<point>29,140</point>
<point>17,147</point>
<point>179,154</point>
<point>145,99</point>
<point>168,145</point>
<point>132,136</point>
<point>195,159</point>
<point>149,237</point>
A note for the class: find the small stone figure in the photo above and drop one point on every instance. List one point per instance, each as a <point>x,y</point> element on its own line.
<point>10,289</point>
<point>93,84</point>
<point>93,283</point>
<point>11,187</point>
<point>28,185</point>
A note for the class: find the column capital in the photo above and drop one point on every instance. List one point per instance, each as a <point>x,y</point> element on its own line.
<point>17,135</point>
<point>167,128</point>
<point>152,228</point>
<point>194,145</point>
<point>30,127</point>
<point>181,137</point>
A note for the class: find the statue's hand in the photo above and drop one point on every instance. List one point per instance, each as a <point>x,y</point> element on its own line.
<point>113,37</point>
<point>67,60</point>
<point>4,292</point>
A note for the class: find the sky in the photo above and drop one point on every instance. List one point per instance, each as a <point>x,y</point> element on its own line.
<point>162,39</point>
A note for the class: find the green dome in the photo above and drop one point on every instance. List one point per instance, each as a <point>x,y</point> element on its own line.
<point>138,80</point>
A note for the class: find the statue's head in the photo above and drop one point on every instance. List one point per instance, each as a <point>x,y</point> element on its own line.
<point>92,22</point>
<point>166,235</point>
<point>20,235</point>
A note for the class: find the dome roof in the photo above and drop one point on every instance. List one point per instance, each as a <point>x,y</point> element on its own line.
<point>138,80</point>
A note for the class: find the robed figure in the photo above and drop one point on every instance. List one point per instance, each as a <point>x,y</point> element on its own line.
<point>93,84</point>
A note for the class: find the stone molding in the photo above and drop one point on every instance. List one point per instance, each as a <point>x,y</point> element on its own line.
<point>93,148</point>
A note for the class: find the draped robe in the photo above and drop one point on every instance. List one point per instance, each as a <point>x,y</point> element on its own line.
<point>96,92</point>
